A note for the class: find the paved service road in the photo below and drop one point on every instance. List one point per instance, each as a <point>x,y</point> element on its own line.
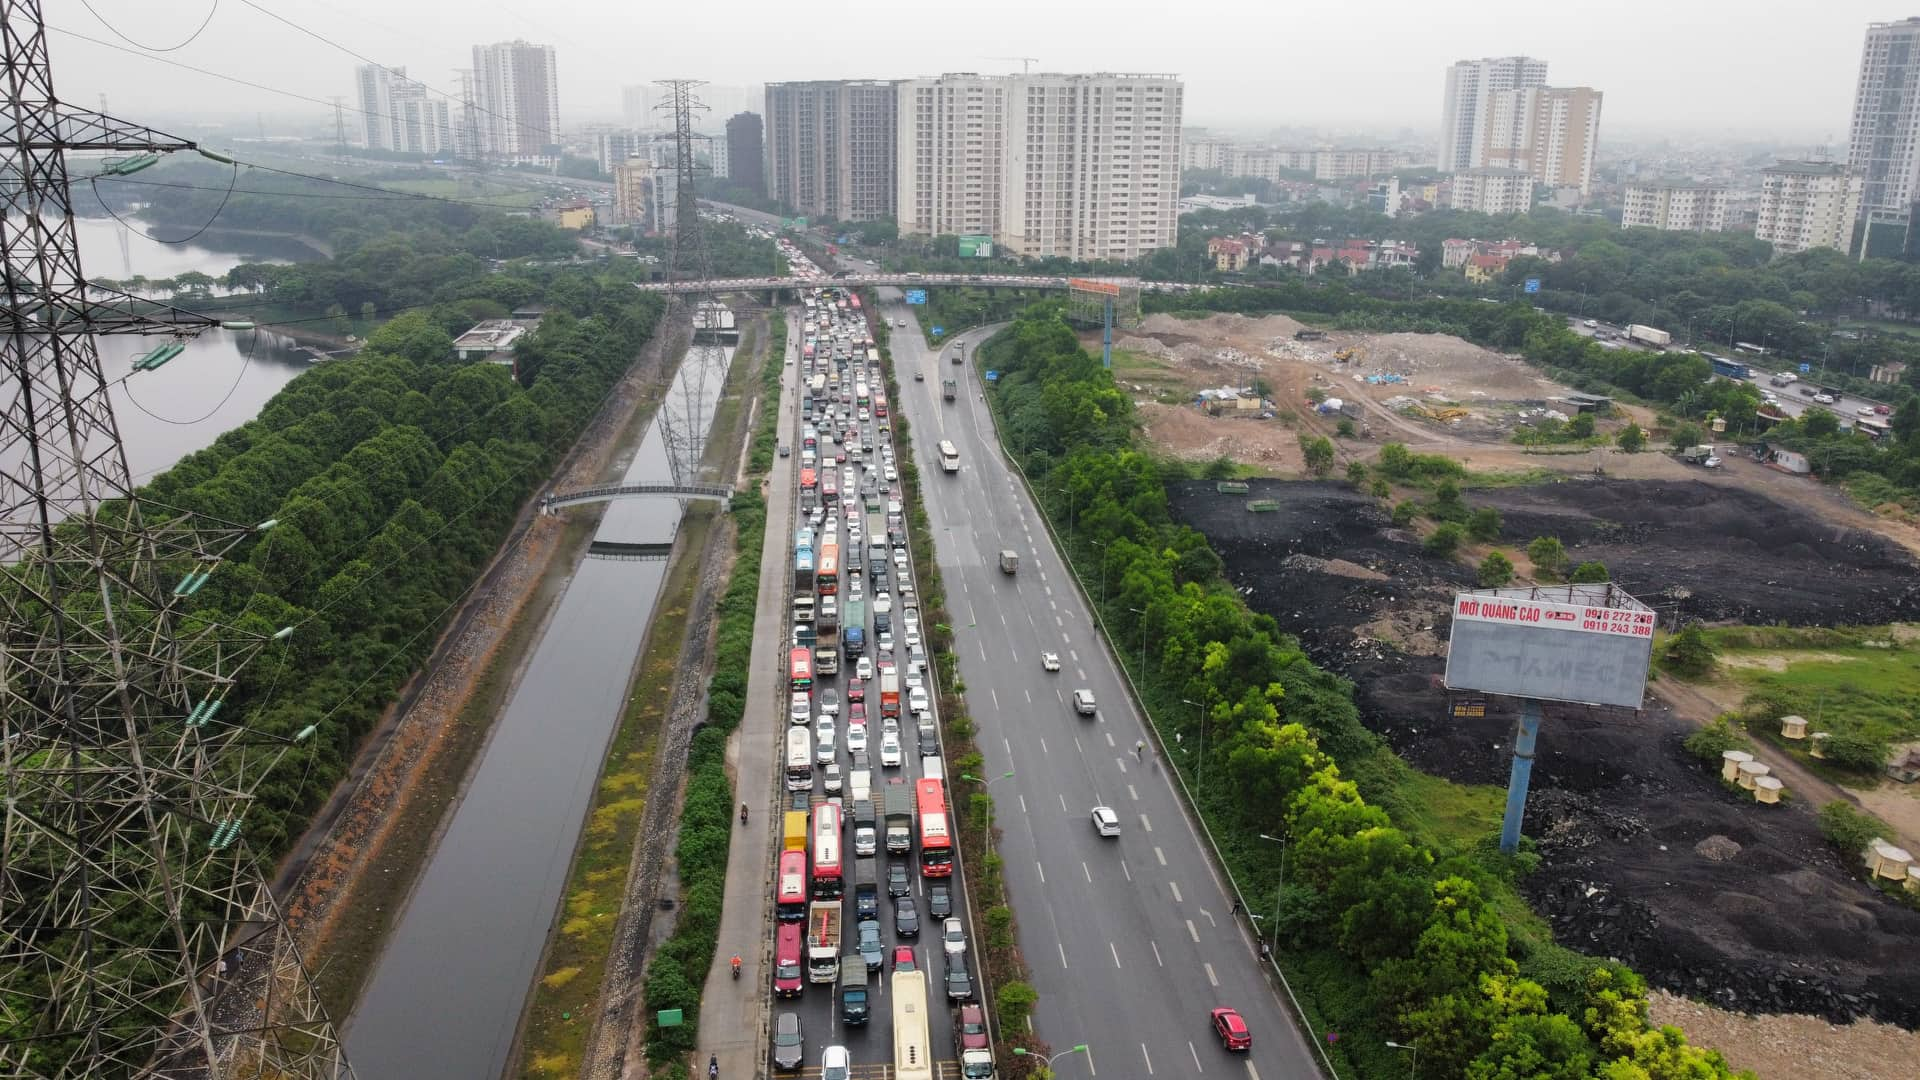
<point>1131,940</point>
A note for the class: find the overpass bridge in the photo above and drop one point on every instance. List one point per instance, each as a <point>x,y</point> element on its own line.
<point>554,500</point>
<point>914,281</point>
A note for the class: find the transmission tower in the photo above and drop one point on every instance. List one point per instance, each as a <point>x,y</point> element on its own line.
<point>685,416</point>
<point>469,135</point>
<point>137,936</point>
<point>339,127</point>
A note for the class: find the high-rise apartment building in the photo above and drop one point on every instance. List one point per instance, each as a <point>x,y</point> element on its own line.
<point>1550,132</point>
<point>612,148</point>
<point>830,148</point>
<point>1346,164</point>
<point>746,168</point>
<point>1808,204</point>
<point>1463,111</point>
<point>634,186</point>
<point>399,114</point>
<point>1080,166</point>
<point>1675,207</point>
<point>1492,191</point>
<point>636,107</point>
<point>517,92</point>
<point>1883,146</point>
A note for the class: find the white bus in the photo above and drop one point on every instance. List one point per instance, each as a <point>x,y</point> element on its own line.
<point>912,1056</point>
<point>799,758</point>
<point>949,456</point>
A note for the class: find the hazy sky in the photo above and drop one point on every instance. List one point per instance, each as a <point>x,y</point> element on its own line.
<point>1763,67</point>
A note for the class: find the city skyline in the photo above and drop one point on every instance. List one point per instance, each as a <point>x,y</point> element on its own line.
<point>1664,82</point>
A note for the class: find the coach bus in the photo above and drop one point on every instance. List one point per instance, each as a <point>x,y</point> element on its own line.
<point>949,456</point>
<point>800,669</point>
<point>826,572</point>
<point>912,1052</point>
<point>936,840</point>
<point>790,887</point>
<point>827,881</point>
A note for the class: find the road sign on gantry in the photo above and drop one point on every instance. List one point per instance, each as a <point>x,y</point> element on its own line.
<point>916,296</point>
<point>1588,644</point>
<point>1533,284</point>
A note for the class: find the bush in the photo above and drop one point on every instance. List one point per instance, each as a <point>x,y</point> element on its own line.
<point>1590,573</point>
<point>1689,653</point>
<point>1345,429</point>
<point>1381,489</point>
<point>1484,525</point>
<point>1631,439</point>
<point>1852,750</point>
<point>1015,1001</point>
<point>1715,739</point>
<point>1548,555</point>
<point>1403,513</point>
<point>1495,570</point>
<point>1445,540</point>
<point>1357,475</point>
<point>1686,435</point>
<point>1849,828</point>
<point>1319,455</point>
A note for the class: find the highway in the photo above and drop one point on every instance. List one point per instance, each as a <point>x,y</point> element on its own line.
<point>1131,940</point>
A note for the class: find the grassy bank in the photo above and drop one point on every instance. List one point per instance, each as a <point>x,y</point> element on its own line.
<point>559,1016</point>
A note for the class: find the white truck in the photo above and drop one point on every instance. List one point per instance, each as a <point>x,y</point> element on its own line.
<point>823,941</point>
<point>1648,335</point>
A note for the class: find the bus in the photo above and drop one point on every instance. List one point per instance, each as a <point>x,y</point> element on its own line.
<point>912,1054</point>
<point>936,842</point>
<point>854,299</point>
<point>826,570</point>
<point>790,887</point>
<point>808,477</point>
<point>799,758</point>
<point>827,882</point>
<point>803,569</point>
<point>800,669</point>
<point>949,456</point>
<point>860,396</point>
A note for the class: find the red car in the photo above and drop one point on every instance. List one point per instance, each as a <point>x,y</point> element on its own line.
<point>856,690</point>
<point>1232,1030</point>
<point>858,715</point>
<point>972,1029</point>
<point>903,958</point>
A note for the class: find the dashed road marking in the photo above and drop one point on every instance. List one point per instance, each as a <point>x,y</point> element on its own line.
<point>1155,946</point>
<point>1088,871</point>
<point>1157,853</point>
<point>1177,898</point>
<point>1043,872</point>
<point>1132,792</point>
<point>1193,932</point>
<point>1212,979</point>
<point>1145,824</point>
<point>1115,950</point>
<point>1196,1057</point>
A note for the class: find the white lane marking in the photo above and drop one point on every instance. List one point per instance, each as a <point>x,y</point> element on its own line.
<point>1003,618</point>
<point>1043,872</point>
<point>996,698</point>
<point>1210,919</point>
<point>1049,590</point>
<point>1127,870</point>
<point>1109,738</point>
<point>1023,804</point>
<point>1087,870</point>
<point>1054,604</point>
<point>1211,977</point>
<point>1082,672</point>
<point>1057,619</point>
<point>1252,1073</point>
<point>1196,1056</point>
<point>1063,955</point>
<point>1063,803</point>
<point>1115,950</point>
<point>1135,794</point>
<point>1008,745</point>
<point>1122,762</point>
<point>1043,746</point>
<point>1157,853</point>
<point>1155,946</point>
<point>1193,932</point>
<point>1091,1071</point>
<point>1145,824</point>
<point>1029,694</point>
<point>1177,898</point>
<point>1148,1058</point>
<point>1043,575</point>
<point>1075,657</point>
<point>983,650</point>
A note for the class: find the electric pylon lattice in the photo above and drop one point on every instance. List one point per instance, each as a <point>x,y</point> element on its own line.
<point>686,414</point>
<point>137,934</point>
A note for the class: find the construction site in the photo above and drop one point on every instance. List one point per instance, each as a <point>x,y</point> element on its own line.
<point>1246,388</point>
<point>1645,856</point>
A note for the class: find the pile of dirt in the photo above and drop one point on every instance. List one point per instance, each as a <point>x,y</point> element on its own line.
<point>1645,857</point>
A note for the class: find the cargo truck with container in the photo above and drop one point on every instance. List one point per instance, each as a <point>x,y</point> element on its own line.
<point>899,810</point>
<point>823,941</point>
<point>1648,335</point>
<point>890,692</point>
<point>866,889</point>
<point>865,836</point>
<point>794,831</point>
<point>854,1005</point>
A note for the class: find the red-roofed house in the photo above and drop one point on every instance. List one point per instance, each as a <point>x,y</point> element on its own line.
<point>1484,268</point>
<point>1229,254</point>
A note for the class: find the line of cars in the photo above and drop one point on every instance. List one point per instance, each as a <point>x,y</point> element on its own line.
<point>855,611</point>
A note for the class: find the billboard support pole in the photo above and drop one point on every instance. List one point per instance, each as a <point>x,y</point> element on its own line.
<point>1106,336</point>
<point>1527,731</point>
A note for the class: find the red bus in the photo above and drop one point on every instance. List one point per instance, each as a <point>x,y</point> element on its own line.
<point>826,572</point>
<point>788,978</point>
<point>936,842</point>
<point>808,478</point>
<point>854,299</point>
<point>827,881</point>
<point>790,888</point>
<point>800,668</point>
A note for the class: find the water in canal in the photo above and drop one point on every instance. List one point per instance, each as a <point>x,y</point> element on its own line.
<point>446,996</point>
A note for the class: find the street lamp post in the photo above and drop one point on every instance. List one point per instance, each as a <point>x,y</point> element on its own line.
<point>1200,772</point>
<point>988,784</point>
<point>1046,1059</point>
<point>1278,887</point>
<point>1068,492</point>
<point>1414,1070</point>
<point>1143,639</point>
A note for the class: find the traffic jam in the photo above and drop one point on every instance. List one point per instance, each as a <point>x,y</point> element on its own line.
<point>866,806</point>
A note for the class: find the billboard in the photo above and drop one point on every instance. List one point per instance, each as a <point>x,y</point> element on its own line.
<point>1588,644</point>
<point>1105,288</point>
<point>916,296</point>
<point>976,247</point>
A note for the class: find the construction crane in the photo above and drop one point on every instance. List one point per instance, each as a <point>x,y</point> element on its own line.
<point>1026,62</point>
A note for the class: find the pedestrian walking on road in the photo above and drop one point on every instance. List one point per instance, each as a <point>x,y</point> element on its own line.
<point>1236,908</point>
<point>1139,749</point>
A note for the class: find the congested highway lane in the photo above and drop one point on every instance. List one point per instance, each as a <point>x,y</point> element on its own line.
<point>1131,940</point>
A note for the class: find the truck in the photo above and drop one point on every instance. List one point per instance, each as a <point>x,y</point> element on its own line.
<point>899,807</point>
<point>823,941</point>
<point>854,1008</point>
<point>795,831</point>
<point>854,640</point>
<point>1702,456</point>
<point>1009,561</point>
<point>864,836</point>
<point>1648,335</point>
<point>866,889</point>
<point>890,692</point>
<point>948,388</point>
<point>876,527</point>
<point>826,659</point>
<point>826,616</point>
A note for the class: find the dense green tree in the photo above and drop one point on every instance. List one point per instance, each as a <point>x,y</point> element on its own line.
<point>1319,455</point>
<point>1589,573</point>
<point>1483,524</point>
<point>1444,540</point>
<point>1548,555</point>
<point>1631,439</point>
<point>1495,571</point>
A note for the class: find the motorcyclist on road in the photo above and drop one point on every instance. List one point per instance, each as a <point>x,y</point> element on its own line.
<point>713,1066</point>
<point>743,813</point>
<point>736,965</point>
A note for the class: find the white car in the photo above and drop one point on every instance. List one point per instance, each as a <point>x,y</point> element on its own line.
<point>890,755</point>
<point>882,604</point>
<point>1105,821</point>
<point>856,738</point>
<point>953,938</point>
<point>914,679</point>
<point>917,700</point>
<point>912,636</point>
<point>836,1064</point>
<point>863,669</point>
<point>1865,410</point>
<point>822,742</point>
<point>900,558</point>
<point>890,474</point>
<point>830,702</point>
<point>886,641</point>
<point>833,778</point>
<point>799,707</point>
<point>1824,399</point>
<point>1050,661</point>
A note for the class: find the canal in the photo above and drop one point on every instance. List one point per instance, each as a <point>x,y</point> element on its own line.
<point>447,993</point>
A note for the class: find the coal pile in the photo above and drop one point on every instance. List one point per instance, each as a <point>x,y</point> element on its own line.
<point>1645,857</point>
